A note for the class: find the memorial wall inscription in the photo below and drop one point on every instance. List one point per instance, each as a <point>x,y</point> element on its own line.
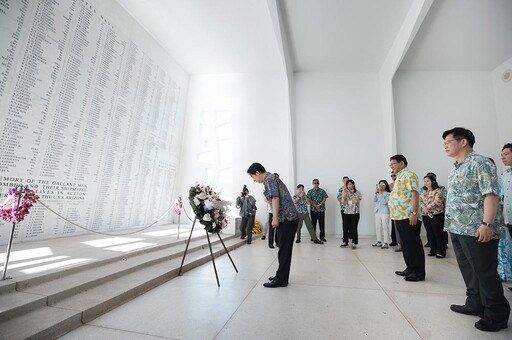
<point>91,116</point>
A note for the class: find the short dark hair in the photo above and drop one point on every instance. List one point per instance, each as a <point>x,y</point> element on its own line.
<point>461,133</point>
<point>346,177</point>
<point>276,174</point>
<point>507,146</point>
<point>399,158</point>
<point>256,167</point>
<point>316,179</point>
<point>300,186</point>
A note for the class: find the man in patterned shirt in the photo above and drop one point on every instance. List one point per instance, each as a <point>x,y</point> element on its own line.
<point>301,205</point>
<point>316,198</point>
<point>473,222</point>
<point>404,207</point>
<point>284,218</point>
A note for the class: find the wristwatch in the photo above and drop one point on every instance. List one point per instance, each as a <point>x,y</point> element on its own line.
<point>486,224</point>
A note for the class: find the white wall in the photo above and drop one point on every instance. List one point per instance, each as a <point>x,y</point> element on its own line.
<point>428,103</point>
<point>259,130</point>
<point>503,100</point>
<point>339,132</point>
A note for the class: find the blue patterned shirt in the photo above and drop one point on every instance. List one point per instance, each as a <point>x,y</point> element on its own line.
<point>468,183</point>
<point>317,195</point>
<point>274,187</point>
<point>302,205</point>
<point>340,195</point>
<point>505,189</point>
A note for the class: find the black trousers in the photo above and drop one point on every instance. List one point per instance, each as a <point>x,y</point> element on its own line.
<point>393,232</point>
<point>351,222</point>
<point>286,238</point>
<point>478,263</point>
<point>412,247</point>
<point>342,223</point>
<point>436,236</point>
<point>320,217</point>
<point>246,227</point>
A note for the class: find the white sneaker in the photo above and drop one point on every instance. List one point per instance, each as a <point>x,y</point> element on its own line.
<point>353,246</point>
<point>378,244</point>
<point>385,246</point>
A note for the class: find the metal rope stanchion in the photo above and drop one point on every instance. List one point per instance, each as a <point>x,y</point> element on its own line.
<point>8,253</point>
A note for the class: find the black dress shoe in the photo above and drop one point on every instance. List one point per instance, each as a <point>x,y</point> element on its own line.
<point>274,284</point>
<point>271,278</point>
<point>392,244</point>
<point>263,237</point>
<point>431,254</point>
<point>297,241</point>
<point>402,273</point>
<point>489,325</point>
<point>323,240</point>
<point>318,242</point>
<point>463,309</point>
<point>414,278</point>
<point>272,247</point>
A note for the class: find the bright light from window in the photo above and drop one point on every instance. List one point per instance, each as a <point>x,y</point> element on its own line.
<point>111,241</point>
<point>23,255</point>
<point>131,246</point>
<point>59,265</point>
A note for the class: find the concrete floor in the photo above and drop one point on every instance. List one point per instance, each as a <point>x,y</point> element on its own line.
<point>334,293</point>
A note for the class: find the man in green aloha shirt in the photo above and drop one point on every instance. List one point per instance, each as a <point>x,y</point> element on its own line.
<point>472,218</point>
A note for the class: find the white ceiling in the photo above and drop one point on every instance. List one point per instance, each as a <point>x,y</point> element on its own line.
<point>342,35</point>
<point>462,35</point>
<point>237,36</point>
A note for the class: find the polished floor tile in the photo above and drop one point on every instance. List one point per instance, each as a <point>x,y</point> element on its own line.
<point>334,293</point>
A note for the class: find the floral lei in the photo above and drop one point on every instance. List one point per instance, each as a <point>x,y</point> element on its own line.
<point>209,209</point>
<point>10,211</point>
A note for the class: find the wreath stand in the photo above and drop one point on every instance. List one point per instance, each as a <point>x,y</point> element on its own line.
<point>211,252</point>
<point>9,245</point>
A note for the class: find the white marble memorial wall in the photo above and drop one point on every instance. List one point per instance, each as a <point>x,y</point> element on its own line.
<point>91,116</point>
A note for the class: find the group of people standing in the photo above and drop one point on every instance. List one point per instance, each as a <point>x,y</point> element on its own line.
<point>472,216</point>
<point>469,209</point>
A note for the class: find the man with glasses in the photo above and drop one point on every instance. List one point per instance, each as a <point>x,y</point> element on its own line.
<point>316,198</point>
<point>473,222</point>
<point>404,207</point>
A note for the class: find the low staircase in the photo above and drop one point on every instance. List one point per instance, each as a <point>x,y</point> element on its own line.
<point>51,305</point>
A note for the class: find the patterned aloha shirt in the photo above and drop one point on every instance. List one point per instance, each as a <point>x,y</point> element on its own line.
<point>400,199</point>
<point>433,200</point>
<point>468,183</point>
<point>352,205</point>
<point>274,187</point>
<point>317,195</point>
<point>340,195</point>
<point>505,184</point>
<point>302,206</point>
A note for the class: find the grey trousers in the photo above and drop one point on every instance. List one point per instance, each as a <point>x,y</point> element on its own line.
<point>306,219</point>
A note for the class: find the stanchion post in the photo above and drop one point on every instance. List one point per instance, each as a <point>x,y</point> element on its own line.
<point>8,252</point>
<point>179,216</point>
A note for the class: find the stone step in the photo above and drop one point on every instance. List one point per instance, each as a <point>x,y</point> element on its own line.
<point>93,291</point>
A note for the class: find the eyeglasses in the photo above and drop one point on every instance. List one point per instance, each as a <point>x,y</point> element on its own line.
<point>449,141</point>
